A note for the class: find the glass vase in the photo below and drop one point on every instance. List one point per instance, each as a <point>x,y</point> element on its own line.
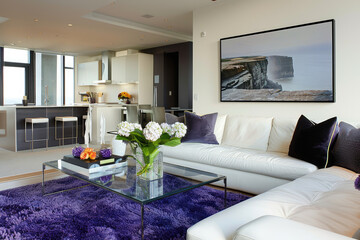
<point>149,171</point>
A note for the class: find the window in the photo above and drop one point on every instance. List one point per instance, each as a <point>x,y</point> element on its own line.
<point>14,84</point>
<point>69,84</point>
<point>23,70</point>
<point>16,55</point>
<point>54,79</point>
<point>16,76</point>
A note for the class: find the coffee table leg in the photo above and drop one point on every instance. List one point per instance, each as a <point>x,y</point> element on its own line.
<point>225,192</point>
<point>142,221</point>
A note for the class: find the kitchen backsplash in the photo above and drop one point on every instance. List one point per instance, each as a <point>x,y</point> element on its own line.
<point>110,91</point>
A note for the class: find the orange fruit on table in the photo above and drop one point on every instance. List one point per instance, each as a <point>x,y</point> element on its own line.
<point>88,150</point>
<point>84,155</point>
<point>92,155</point>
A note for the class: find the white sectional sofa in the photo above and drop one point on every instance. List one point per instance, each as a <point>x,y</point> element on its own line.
<point>321,205</point>
<point>296,200</point>
<point>252,153</point>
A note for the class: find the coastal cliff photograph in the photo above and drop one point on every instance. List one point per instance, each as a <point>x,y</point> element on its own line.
<point>293,64</point>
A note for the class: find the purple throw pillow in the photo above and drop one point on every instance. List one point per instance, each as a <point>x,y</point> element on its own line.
<point>200,129</point>
<point>346,152</point>
<point>312,142</point>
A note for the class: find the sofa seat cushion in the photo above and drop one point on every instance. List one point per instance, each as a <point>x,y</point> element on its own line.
<point>325,199</point>
<point>272,164</point>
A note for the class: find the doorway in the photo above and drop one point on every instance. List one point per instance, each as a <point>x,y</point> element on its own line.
<point>171,80</point>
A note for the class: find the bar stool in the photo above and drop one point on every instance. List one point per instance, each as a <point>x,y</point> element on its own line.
<point>36,121</point>
<point>63,120</point>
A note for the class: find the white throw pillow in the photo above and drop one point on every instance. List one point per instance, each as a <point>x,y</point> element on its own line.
<point>219,127</point>
<point>247,132</point>
<point>281,135</point>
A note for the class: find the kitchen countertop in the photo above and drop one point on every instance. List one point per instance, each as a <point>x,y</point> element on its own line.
<point>73,105</point>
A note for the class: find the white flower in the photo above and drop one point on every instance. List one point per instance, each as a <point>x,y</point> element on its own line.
<point>179,129</point>
<point>167,129</point>
<point>137,126</point>
<point>125,128</point>
<point>152,131</point>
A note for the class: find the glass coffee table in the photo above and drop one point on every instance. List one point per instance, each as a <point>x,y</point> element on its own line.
<point>124,182</point>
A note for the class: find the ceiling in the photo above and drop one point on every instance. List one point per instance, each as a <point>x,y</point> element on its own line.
<point>97,25</point>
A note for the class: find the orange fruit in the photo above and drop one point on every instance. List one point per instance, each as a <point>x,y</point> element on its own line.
<point>84,155</point>
<point>92,155</point>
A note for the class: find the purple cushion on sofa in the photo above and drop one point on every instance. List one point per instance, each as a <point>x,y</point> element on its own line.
<point>200,129</point>
<point>346,152</point>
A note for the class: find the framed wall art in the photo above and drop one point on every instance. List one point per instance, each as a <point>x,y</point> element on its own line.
<point>292,64</point>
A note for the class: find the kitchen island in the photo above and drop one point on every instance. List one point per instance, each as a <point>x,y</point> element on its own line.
<point>12,119</point>
<point>12,123</point>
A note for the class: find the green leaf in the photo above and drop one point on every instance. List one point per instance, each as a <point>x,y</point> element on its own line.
<point>173,142</point>
<point>146,151</point>
<point>118,137</point>
<point>165,136</point>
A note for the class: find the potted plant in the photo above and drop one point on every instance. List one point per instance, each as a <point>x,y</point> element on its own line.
<point>124,97</point>
<point>145,144</point>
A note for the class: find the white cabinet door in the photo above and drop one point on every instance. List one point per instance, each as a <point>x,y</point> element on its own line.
<point>118,69</point>
<point>88,73</point>
<point>132,68</point>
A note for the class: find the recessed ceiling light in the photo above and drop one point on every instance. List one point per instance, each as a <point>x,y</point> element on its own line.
<point>36,20</point>
<point>3,19</point>
<point>70,25</point>
<point>12,44</point>
<point>147,16</point>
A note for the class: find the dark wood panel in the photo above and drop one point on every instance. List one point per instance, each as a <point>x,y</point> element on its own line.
<point>40,129</point>
<point>185,72</point>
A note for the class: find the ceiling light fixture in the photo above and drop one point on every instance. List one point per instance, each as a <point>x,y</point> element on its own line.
<point>3,19</point>
<point>36,20</point>
<point>70,25</point>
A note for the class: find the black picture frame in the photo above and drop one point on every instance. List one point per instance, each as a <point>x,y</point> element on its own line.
<point>290,64</point>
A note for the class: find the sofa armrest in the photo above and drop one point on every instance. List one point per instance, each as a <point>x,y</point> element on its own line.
<point>277,228</point>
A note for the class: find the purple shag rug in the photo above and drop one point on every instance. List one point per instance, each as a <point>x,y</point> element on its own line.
<point>94,213</point>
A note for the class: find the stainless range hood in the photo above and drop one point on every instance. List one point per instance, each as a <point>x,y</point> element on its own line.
<point>106,67</point>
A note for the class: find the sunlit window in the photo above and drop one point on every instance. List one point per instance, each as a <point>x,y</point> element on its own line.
<point>69,61</point>
<point>16,55</point>
<point>14,85</point>
<point>16,75</point>
<point>69,80</point>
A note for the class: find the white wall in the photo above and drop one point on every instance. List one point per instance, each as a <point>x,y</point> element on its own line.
<point>237,17</point>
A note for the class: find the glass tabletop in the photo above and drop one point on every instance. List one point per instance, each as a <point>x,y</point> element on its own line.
<point>124,181</point>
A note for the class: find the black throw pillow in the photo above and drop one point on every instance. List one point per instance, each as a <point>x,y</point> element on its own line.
<point>346,151</point>
<point>200,129</point>
<point>311,142</point>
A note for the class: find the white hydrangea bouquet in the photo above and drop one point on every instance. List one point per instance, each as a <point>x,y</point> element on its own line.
<point>149,139</point>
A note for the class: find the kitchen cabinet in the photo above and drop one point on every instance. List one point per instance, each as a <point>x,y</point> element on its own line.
<point>88,73</point>
<point>137,69</point>
<point>129,68</point>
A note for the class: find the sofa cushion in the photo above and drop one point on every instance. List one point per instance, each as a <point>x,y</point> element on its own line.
<point>219,127</point>
<point>200,129</point>
<point>346,151</point>
<point>278,228</point>
<point>325,199</point>
<point>171,118</point>
<point>281,134</point>
<point>311,142</point>
<point>272,164</point>
<point>247,132</point>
